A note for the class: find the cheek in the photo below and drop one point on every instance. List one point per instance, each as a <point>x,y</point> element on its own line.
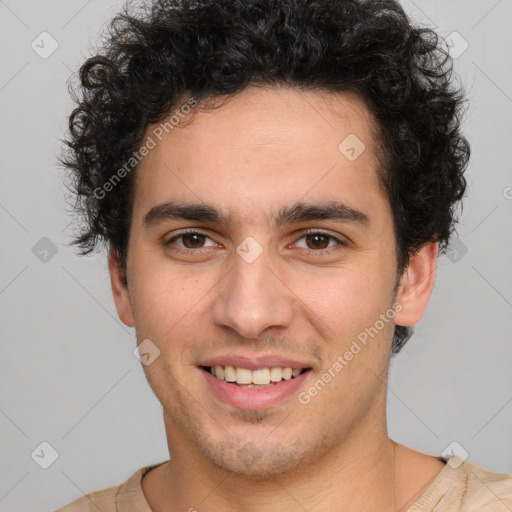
<point>346,311</point>
<point>347,300</point>
<point>167,302</point>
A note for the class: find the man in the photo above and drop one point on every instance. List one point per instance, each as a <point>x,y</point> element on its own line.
<point>274,181</point>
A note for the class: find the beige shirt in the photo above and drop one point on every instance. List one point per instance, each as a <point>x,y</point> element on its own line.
<point>460,486</point>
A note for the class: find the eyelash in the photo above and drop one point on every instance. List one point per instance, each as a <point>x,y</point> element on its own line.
<point>318,252</point>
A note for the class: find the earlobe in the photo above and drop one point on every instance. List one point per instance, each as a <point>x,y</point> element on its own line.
<point>120,290</point>
<point>416,285</point>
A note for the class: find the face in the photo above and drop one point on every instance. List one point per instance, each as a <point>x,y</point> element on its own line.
<point>259,244</point>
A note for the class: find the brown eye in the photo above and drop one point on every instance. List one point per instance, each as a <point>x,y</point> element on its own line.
<point>317,241</point>
<point>320,242</point>
<point>193,240</point>
<point>189,241</point>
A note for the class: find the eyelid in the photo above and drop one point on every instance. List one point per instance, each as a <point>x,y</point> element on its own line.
<point>312,231</point>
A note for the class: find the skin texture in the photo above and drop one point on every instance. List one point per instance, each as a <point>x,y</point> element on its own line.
<point>263,150</point>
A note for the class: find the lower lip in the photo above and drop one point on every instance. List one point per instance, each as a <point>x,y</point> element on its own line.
<point>254,398</point>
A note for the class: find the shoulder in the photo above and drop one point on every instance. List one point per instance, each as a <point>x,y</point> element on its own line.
<point>487,489</point>
<point>104,500</point>
<point>113,498</point>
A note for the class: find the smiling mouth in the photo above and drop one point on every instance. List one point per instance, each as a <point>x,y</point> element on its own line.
<point>260,378</point>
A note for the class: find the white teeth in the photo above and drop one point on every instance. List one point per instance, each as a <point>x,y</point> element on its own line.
<point>261,376</point>
<point>287,373</point>
<point>243,376</point>
<point>219,371</point>
<point>229,374</point>
<point>255,378</point>
<point>276,374</point>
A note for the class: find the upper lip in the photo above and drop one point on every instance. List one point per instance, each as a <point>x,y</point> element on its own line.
<point>255,362</point>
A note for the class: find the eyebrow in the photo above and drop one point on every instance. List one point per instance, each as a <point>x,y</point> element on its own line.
<point>295,213</point>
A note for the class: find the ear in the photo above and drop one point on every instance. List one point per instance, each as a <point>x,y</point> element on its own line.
<point>416,285</point>
<point>120,290</point>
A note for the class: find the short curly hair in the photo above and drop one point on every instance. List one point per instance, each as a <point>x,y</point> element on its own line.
<point>152,56</point>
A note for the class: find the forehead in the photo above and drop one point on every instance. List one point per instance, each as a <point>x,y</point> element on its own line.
<point>264,149</point>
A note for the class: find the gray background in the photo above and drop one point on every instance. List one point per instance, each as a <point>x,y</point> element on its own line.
<point>69,376</point>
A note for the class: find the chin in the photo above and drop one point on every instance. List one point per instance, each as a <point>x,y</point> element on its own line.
<point>260,462</point>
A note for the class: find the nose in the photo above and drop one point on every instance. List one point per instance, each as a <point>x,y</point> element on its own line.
<point>252,298</point>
